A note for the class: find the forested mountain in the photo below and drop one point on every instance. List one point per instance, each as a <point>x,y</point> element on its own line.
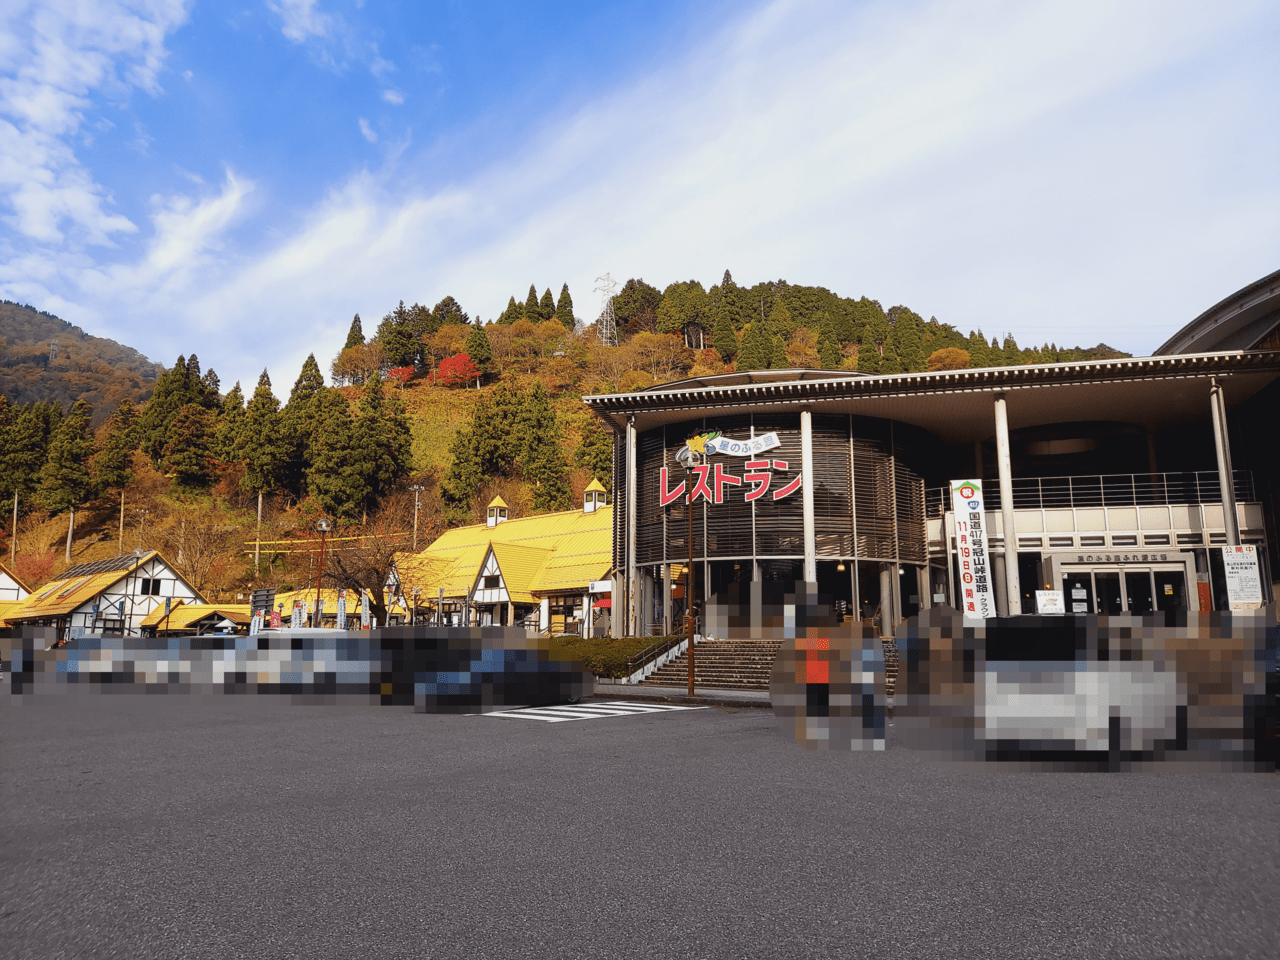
<point>81,367</point>
<point>426,421</point>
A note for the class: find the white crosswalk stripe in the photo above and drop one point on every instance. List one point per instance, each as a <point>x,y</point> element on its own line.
<point>588,711</point>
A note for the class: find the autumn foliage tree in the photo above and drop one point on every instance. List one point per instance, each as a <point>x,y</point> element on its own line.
<point>456,371</point>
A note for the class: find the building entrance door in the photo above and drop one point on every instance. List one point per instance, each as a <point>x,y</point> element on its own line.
<point>1136,589</point>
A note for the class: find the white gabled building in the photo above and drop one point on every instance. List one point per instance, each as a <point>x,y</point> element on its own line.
<point>105,596</point>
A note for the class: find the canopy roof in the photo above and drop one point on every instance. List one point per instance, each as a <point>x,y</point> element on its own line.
<point>183,615</point>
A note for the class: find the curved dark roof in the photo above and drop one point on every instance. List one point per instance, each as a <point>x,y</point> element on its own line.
<point>749,377</point>
<point>1235,323</point>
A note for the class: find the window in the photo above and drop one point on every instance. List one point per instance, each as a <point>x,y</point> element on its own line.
<point>150,587</point>
<point>492,583</point>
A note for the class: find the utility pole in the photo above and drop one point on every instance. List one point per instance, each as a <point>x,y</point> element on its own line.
<point>13,533</point>
<point>417,489</point>
<point>257,543</point>
<point>122,521</point>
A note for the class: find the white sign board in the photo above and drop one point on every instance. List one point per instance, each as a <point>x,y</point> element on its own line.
<point>1050,603</point>
<point>749,447</point>
<point>976,598</point>
<point>1244,586</point>
<point>600,586</point>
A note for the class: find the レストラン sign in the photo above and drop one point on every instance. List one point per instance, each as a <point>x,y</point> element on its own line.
<point>710,480</point>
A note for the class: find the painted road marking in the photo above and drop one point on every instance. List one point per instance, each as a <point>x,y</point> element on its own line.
<point>588,711</point>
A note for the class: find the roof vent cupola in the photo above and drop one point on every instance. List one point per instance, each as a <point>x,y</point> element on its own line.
<point>593,498</point>
<point>497,512</point>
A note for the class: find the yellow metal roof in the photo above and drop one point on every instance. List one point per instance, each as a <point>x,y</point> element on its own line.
<point>7,607</point>
<point>498,502</point>
<point>595,487</point>
<point>182,615</point>
<point>519,565</point>
<point>580,547</point>
<point>59,597</point>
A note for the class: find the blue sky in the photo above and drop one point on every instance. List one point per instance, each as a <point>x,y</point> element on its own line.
<point>238,179</point>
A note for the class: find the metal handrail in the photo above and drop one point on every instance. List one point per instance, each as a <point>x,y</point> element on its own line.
<point>1103,490</point>
<point>652,652</point>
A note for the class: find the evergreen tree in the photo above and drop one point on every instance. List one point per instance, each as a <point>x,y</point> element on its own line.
<point>355,335</point>
<point>778,354</point>
<point>828,345</point>
<point>1012,353</point>
<point>907,338</point>
<point>113,465</point>
<point>979,352</point>
<point>446,311</point>
<point>477,347</point>
<point>297,424</point>
<point>398,337</point>
<point>226,441</point>
<point>172,392</point>
<point>211,384</point>
<point>564,308</point>
<point>723,340</point>
<point>757,349</point>
<point>188,454</point>
<point>541,457</point>
<point>26,449</point>
<point>260,439</point>
<point>547,306</point>
<point>891,362</point>
<point>514,312</point>
<point>65,481</point>
<point>532,311</point>
<point>868,357</point>
<point>382,435</point>
<point>337,479</point>
<point>596,453</point>
<point>781,323</point>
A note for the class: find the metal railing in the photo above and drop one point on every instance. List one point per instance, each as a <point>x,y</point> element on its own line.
<point>652,652</point>
<point>1107,490</point>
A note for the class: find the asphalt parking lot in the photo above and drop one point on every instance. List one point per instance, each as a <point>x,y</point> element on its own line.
<point>246,827</point>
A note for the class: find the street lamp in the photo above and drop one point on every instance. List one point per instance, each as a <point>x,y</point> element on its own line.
<point>417,489</point>
<point>323,526</point>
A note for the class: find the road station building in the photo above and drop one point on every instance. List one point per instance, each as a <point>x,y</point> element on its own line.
<point>1116,482</point>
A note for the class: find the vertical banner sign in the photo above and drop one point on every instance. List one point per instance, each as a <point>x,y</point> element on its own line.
<point>255,624</point>
<point>276,618</point>
<point>364,609</point>
<point>976,598</point>
<point>1244,586</point>
<point>342,609</point>
<point>295,615</point>
<point>320,612</point>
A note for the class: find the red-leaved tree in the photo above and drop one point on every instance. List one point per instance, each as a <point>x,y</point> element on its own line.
<point>456,371</point>
<point>400,375</point>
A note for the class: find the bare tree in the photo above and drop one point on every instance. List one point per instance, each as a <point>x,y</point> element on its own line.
<point>365,560</point>
<point>202,542</point>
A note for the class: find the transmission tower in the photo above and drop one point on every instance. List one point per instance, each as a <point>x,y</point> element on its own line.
<point>53,350</point>
<point>607,325</point>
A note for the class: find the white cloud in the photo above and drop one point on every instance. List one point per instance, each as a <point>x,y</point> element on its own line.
<point>54,57</point>
<point>1082,171</point>
<point>300,19</point>
<point>393,96</point>
<point>187,74</point>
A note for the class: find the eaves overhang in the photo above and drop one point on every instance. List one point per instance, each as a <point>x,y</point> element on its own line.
<point>955,404</point>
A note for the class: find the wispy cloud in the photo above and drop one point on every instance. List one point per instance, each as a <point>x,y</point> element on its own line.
<point>55,56</point>
<point>1060,169</point>
<point>393,96</point>
<point>300,19</point>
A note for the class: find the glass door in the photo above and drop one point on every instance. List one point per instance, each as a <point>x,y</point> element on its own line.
<point>1138,593</point>
<point>1110,597</point>
<point>1077,592</point>
<point>1171,589</point>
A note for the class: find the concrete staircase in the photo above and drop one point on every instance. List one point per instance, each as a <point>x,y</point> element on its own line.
<point>721,664</point>
<point>742,665</point>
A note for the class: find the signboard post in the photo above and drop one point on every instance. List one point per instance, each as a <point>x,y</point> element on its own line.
<point>1244,587</point>
<point>976,598</point>
<point>1050,603</point>
<point>342,609</point>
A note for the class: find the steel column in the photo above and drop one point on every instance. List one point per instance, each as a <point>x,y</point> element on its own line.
<point>1226,476</point>
<point>806,490</point>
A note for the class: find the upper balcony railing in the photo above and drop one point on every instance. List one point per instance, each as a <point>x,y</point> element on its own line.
<point>1111,490</point>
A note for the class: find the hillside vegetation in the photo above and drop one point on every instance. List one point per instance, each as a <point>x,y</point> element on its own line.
<point>431,417</point>
<point>99,371</point>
